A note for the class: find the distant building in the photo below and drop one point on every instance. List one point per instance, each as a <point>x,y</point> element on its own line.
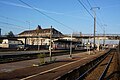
<point>39,33</point>
<point>41,37</point>
<point>10,43</point>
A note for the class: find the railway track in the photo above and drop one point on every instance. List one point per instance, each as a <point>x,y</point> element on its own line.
<point>103,68</point>
<point>7,57</point>
<point>99,70</point>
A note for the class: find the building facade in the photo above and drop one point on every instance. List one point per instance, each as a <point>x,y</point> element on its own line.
<point>39,36</point>
<point>10,43</point>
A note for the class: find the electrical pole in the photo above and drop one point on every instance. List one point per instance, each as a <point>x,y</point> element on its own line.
<point>38,39</point>
<point>29,32</point>
<point>119,47</point>
<point>28,25</point>
<point>50,44</point>
<point>104,36</point>
<point>119,53</point>
<point>94,11</point>
<point>71,47</point>
<point>0,32</point>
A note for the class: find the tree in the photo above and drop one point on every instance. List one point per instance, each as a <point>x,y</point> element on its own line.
<point>10,34</point>
<point>1,40</point>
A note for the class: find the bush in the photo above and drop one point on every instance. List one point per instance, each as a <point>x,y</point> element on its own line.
<point>41,57</point>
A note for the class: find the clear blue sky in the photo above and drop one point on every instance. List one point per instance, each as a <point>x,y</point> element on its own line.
<point>14,15</point>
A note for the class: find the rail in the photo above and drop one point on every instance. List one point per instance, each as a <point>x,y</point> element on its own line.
<point>106,69</point>
<point>82,71</point>
<point>92,68</point>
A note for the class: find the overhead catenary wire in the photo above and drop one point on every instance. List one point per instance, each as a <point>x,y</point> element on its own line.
<point>100,23</point>
<point>85,4</point>
<point>89,3</point>
<point>89,12</point>
<point>5,29</point>
<point>96,15</point>
<point>21,21</point>
<point>2,29</point>
<point>45,15</point>
<point>5,17</point>
<point>20,27</point>
<point>85,8</point>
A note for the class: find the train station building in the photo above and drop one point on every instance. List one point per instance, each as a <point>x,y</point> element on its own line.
<point>41,37</point>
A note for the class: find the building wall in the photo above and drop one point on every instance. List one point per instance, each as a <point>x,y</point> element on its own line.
<point>6,41</point>
<point>10,43</point>
<point>22,39</point>
<point>4,45</point>
<point>35,41</point>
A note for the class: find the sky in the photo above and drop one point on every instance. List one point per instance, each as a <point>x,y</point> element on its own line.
<point>67,16</point>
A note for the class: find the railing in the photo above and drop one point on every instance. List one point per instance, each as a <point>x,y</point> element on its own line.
<point>93,34</point>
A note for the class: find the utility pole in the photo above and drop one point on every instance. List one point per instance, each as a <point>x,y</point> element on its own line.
<point>94,11</point>
<point>88,46</point>
<point>50,44</point>
<point>104,36</point>
<point>118,54</point>
<point>38,39</point>
<point>119,47</point>
<point>29,31</point>
<point>71,47</point>
<point>0,32</point>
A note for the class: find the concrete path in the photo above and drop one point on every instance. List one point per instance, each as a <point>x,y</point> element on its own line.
<point>7,67</point>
